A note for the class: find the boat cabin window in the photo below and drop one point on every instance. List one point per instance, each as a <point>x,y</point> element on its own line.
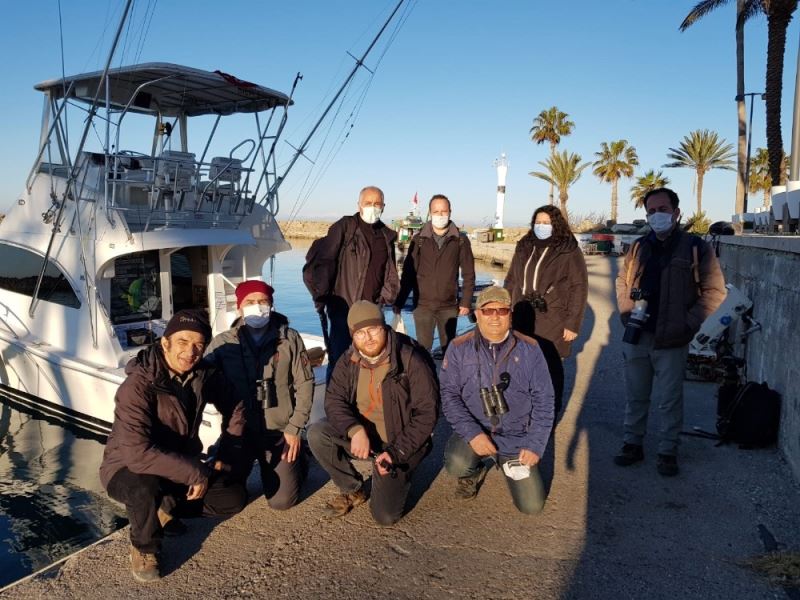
<point>19,271</point>
<point>136,288</point>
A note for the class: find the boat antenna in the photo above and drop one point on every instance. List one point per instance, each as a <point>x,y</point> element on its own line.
<point>273,190</point>
<point>74,170</point>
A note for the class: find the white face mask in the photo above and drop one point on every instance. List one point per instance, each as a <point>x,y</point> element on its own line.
<point>256,315</point>
<point>660,222</point>
<point>371,214</point>
<point>440,221</point>
<point>542,230</point>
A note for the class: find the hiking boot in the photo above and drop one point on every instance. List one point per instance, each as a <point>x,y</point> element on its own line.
<point>171,526</point>
<point>467,487</point>
<point>144,566</point>
<point>344,503</point>
<point>630,454</point>
<point>667,465</point>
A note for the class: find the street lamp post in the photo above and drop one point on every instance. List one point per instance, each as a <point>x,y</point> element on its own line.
<point>749,144</point>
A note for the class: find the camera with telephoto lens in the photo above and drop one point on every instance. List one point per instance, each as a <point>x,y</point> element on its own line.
<point>637,318</point>
<point>494,401</point>
<point>266,394</point>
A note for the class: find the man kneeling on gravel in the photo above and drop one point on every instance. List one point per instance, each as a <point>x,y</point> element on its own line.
<point>382,403</point>
<point>152,460</point>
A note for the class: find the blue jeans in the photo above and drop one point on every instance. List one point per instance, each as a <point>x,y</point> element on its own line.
<point>527,494</point>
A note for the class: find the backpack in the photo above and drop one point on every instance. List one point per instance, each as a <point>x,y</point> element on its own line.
<point>319,276</point>
<point>748,414</point>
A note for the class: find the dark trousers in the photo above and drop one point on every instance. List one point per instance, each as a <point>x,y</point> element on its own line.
<point>280,480</point>
<point>527,494</point>
<point>388,498</point>
<point>143,495</point>
<point>339,339</point>
<point>444,319</point>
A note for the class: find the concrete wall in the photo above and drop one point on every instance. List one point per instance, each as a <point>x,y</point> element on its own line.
<point>767,269</point>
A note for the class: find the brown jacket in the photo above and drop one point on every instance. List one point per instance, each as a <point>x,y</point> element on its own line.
<point>410,394</point>
<point>683,302</point>
<point>336,265</point>
<point>432,273</point>
<point>151,433</point>
<point>561,280</point>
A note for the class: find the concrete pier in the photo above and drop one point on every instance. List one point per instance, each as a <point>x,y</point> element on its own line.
<point>606,531</point>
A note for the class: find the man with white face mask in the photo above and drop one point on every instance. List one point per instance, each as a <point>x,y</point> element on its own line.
<point>435,256</point>
<point>354,261</point>
<point>266,363</point>
<point>670,282</point>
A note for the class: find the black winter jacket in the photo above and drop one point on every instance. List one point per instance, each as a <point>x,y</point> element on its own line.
<point>410,393</point>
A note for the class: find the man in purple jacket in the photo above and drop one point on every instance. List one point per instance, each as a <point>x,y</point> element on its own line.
<point>498,397</point>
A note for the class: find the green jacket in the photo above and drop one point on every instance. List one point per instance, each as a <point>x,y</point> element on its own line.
<point>280,360</point>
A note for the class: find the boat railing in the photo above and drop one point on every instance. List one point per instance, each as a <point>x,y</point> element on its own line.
<point>175,189</point>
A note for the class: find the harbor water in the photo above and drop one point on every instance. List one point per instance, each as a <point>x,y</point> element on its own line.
<point>51,500</point>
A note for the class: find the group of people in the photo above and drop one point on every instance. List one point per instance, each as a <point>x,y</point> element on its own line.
<point>499,386</point>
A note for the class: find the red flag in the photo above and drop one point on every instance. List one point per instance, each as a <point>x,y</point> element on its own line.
<point>415,201</point>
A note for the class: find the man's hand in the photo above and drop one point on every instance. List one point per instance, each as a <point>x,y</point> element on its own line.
<point>379,460</point>
<point>291,447</point>
<point>463,311</point>
<point>569,335</point>
<point>197,490</point>
<point>528,458</point>
<point>221,466</point>
<point>359,444</point>
<point>482,445</point>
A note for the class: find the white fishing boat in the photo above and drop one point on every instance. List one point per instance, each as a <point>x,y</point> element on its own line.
<point>103,245</point>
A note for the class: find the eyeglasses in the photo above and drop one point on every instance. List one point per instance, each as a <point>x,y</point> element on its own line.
<point>371,332</point>
<point>490,312</point>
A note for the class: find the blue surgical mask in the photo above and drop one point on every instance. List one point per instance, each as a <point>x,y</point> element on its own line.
<point>542,230</point>
<point>660,222</point>
<point>256,315</point>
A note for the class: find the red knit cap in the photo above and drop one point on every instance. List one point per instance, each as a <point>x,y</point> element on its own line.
<point>251,286</point>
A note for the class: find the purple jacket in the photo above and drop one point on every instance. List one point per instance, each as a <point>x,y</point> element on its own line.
<point>471,363</point>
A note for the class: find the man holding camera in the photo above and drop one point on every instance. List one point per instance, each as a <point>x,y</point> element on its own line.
<point>670,282</point>
<point>430,269</point>
<point>498,397</point>
<point>382,403</point>
<point>268,367</point>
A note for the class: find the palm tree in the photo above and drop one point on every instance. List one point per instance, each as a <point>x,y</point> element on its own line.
<point>698,12</point>
<point>702,150</point>
<point>779,14</point>
<point>647,182</point>
<point>562,170</point>
<point>615,160</point>
<point>548,127</point>
<point>760,179</point>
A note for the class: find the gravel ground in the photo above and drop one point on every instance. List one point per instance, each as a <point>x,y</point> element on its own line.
<point>606,532</point>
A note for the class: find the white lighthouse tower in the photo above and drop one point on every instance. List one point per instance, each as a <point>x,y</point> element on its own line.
<point>501,164</point>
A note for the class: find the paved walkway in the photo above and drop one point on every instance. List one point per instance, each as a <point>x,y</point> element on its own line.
<point>606,532</point>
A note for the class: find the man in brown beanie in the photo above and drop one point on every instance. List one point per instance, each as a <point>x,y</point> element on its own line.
<point>151,461</point>
<point>382,403</point>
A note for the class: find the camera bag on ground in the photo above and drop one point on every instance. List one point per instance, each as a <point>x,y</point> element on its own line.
<point>748,414</point>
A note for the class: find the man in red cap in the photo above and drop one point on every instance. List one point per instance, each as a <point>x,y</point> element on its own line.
<point>266,363</point>
<point>151,462</point>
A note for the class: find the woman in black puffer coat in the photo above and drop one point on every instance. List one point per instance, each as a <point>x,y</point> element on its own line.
<point>548,283</point>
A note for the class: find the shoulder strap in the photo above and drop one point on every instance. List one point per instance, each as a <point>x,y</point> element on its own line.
<point>696,263</point>
<point>634,254</point>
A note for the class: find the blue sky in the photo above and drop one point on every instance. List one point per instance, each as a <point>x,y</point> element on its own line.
<point>461,82</point>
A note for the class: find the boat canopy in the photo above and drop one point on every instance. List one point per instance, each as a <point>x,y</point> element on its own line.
<point>170,90</point>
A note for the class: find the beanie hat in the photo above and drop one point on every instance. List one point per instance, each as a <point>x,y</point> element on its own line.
<point>364,314</point>
<point>250,286</point>
<point>189,320</point>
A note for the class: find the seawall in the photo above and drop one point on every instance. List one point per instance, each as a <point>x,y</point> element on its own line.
<point>767,270</point>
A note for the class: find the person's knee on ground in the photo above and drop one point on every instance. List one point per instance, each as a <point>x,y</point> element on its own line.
<point>531,506</point>
<point>383,516</point>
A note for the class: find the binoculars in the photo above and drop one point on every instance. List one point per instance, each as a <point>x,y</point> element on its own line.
<point>537,301</point>
<point>493,399</point>
<point>266,394</point>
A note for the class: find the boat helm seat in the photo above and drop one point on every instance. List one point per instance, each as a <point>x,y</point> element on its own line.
<point>176,170</point>
<point>225,169</point>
